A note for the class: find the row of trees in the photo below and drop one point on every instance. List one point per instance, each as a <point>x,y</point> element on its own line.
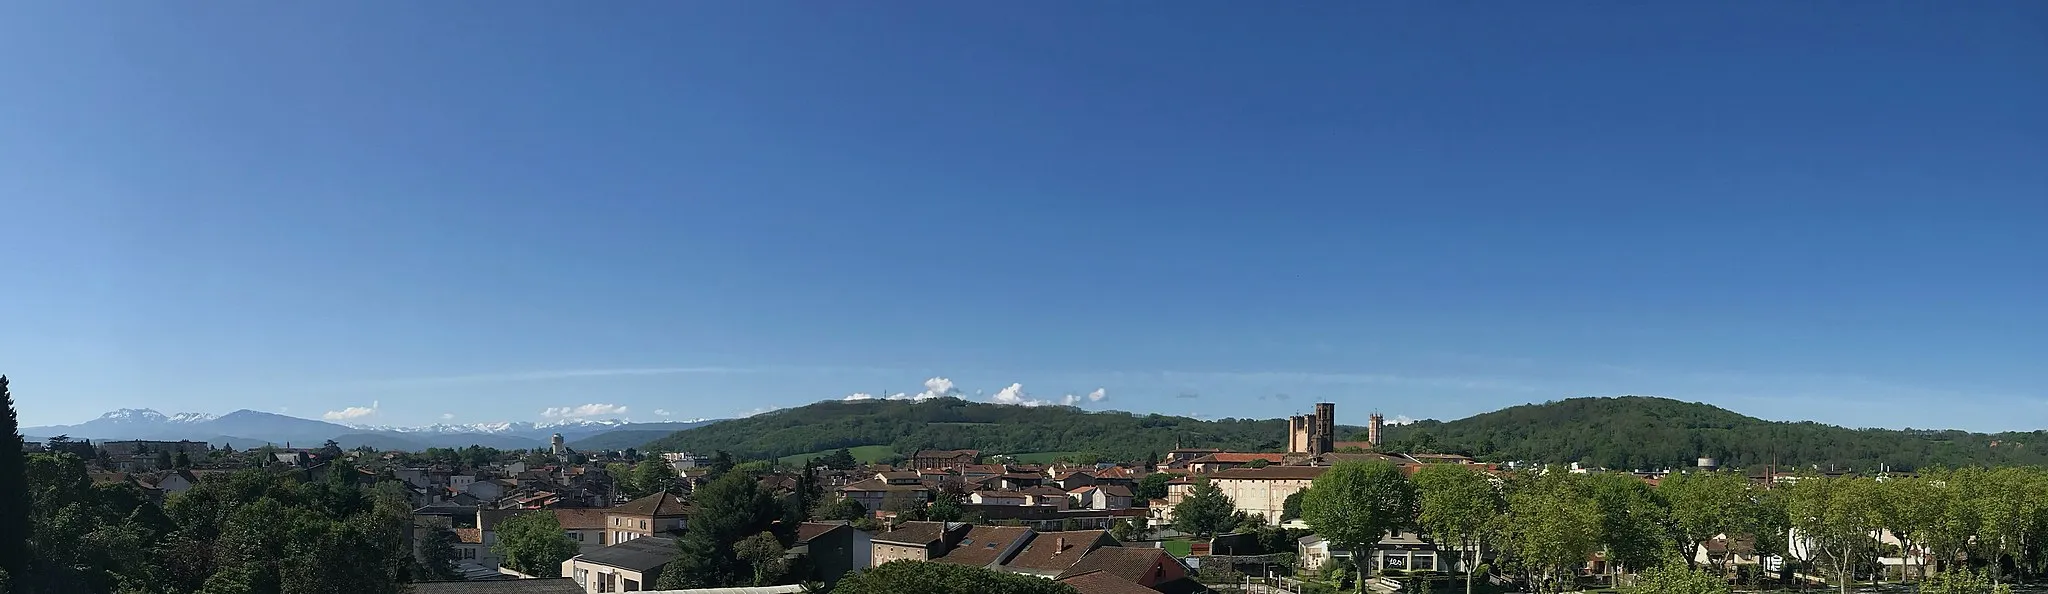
<point>1544,526</point>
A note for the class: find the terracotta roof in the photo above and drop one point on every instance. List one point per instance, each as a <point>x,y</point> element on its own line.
<point>1023,475</point>
<point>875,484</point>
<point>1114,472</point>
<point>1072,473</point>
<point>1128,563</point>
<point>657,505</point>
<point>1240,458</point>
<point>1098,582</point>
<point>916,533</point>
<point>985,544</point>
<point>580,519</point>
<point>1042,491</point>
<point>809,530</point>
<point>898,476</point>
<point>1045,555</point>
<point>1272,473</point>
<point>469,535</point>
<point>981,469</point>
<point>945,453</point>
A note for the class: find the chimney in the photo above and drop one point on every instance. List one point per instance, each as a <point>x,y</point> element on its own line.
<point>1059,545</point>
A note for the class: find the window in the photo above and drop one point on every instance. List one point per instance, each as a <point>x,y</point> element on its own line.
<point>1425,562</point>
<point>582,577</point>
<point>643,524</point>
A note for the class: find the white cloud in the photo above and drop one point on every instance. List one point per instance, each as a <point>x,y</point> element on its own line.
<point>661,412</point>
<point>858,396</point>
<point>447,416</point>
<point>350,413</point>
<point>1098,395</point>
<point>1015,395</point>
<point>1400,420</point>
<point>1070,400</point>
<point>936,388</point>
<point>586,410</point>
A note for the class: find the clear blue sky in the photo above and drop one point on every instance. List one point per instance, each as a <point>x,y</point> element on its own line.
<point>1809,210</point>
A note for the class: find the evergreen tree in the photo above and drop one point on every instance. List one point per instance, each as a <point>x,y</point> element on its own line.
<point>14,503</point>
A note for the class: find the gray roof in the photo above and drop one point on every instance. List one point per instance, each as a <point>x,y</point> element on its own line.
<point>640,554</point>
<point>540,586</point>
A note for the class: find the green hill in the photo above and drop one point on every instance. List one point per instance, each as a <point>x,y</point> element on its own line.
<point>952,423</point>
<point>1642,432</point>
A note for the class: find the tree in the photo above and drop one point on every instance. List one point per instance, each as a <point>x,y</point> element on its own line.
<point>653,475</point>
<point>1632,520</point>
<point>1290,508</point>
<point>944,509</point>
<point>1552,525</point>
<point>163,460</point>
<point>1705,505</point>
<point>1457,505</point>
<point>1153,486</point>
<point>764,554</point>
<point>910,577</point>
<point>1355,504</point>
<point>844,508</point>
<point>730,509</point>
<point>1257,463</point>
<point>1836,517</point>
<point>841,459</point>
<point>436,556</point>
<point>1204,511</point>
<point>1674,577</point>
<point>907,505</point>
<point>14,492</point>
<point>1962,582</point>
<point>533,543</point>
<point>181,461</point>
<point>1911,508</point>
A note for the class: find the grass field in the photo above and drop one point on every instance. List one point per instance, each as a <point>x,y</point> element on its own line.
<point>1039,457</point>
<point>1177,548</point>
<point>871,453</point>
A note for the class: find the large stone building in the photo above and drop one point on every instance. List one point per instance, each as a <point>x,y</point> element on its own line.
<point>1313,434</point>
<point>1264,491</point>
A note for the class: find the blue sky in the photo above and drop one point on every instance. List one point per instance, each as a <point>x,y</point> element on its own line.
<point>483,211</point>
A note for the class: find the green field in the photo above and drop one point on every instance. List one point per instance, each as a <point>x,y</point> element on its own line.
<point>1177,548</point>
<point>1039,457</point>
<point>871,453</point>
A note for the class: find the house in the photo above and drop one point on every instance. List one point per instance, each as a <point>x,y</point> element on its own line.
<point>834,548</point>
<point>1050,554</point>
<point>916,541</point>
<point>1019,480</point>
<point>1047,495</point>
<point>988,546</point>
<point>629,566</point>
<point>1148,568</point>
<point>1104,497</point>
<point>999,498</point>
<point>1116,475</point>
<point>872,492</point>
<point>1180,458</point>
<point>935,459</point>
<point>173,482</point>
<point>647,516</point>
<point>471,548</point>
<point>1262,491</point>
<point>585,526</point>
<point>539,586</point>
<point>1074,480</point>
<point>980,471</point>
<point>1404,550</point>
<point>1100,582</point>
<point>1221,461</point>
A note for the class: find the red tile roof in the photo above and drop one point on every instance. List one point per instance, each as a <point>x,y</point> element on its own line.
<point>469,535</point>
<point>1240,458</point>
<point>1132,564</point>
<point>1045,554</point>
<point>580,519</point>
<point>985,544</point>
<point>1098,582</point>
<point>1272,473</point>
<point>656,505</point>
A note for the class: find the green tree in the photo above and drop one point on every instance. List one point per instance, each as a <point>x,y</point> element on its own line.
<point>841,459</point>
<point>1290,508</point>
<point>844,508</point>
<point>653,475</point>
<point>622,478</point>
<point>533,543</point>
<point>764,554</point>
<point>1458,504</point>
<point>1674,577</point>
<point>1257,463</point>
<point>1204,511</point>
<point>1836,517</point>
<point>1704,505</point>
<point>731,508</point>
<point>181,461</point>
<point>1355,504</point>
<point>1153,486</point>
<point>909,577</point>
<point>436,556</point>
<point>1632,520</point>
<point>14,498</point>
<point>1962,582</point>
<point>1551,527</point>
<point>945,509</point>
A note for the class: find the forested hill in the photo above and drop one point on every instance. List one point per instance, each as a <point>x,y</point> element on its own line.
<point>951,423</point>
<point>1641,432</point>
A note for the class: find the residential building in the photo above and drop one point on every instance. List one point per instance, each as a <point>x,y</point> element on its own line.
<point>834,548</point>
<point>647,516</point>
<point>871,493</point>
<point>585,526</point>
<point>916,541</point>
<point>1263,491</point>
<point>1221,461</point>
<point>999,498</point>
<point>1050,554</point>
<point>1403,550</point>
<point>988,546</point>
<point>471,548</point>
<point>1104,497</point>
<point>936,459</point>
<point>1149,568</point>
<point>539,586</point>
<point>629,566</point>
<point>1073,480</point>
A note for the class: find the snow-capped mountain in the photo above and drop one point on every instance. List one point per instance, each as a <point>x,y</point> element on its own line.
<point>247,428</point>
<point>501,428</point>
<point>147,416</point>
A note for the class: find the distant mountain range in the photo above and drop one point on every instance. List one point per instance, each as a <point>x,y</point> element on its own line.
<point>248,428</point>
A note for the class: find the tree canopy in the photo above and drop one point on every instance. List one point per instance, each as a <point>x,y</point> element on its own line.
<point>533,543</point>
<point>1204,511</point>
<point>910,577</point>
<point>1355,504</point>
